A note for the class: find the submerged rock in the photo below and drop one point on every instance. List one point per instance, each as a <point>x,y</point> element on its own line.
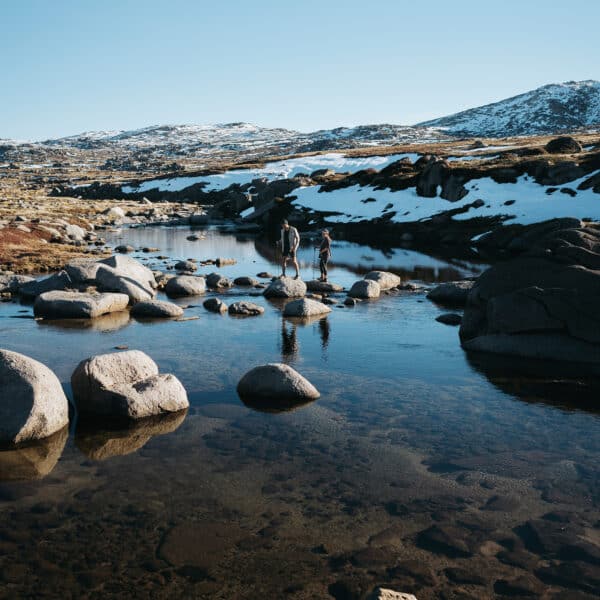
<point>125,384</point>
<point>305,308</point>
<point>275,386</point>
<point>452,293</point>
<point>156,309</point>
<point>386,280</point>
<point>286,287</point>
<point>76,305</point>
<point>185,285</point>
<point>366,288</point>
<point>33,404</point>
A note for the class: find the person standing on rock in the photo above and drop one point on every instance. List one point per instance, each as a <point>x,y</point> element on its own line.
<point>324,254</point>
<point>290,240</point>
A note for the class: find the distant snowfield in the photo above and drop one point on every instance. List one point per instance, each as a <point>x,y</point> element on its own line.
<point>281,169</point>
<point>532,203</point>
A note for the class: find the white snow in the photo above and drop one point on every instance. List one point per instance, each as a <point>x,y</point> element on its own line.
<point>532,204</point>
<point>280,169</point>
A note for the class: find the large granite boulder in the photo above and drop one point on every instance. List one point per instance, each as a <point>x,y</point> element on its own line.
<point>305,307</point>
<point>543,304</point>
<point>33,404</point>
<point>386,280</point>
<point>286,287</point>
<point>76,305</point>
<point>128,267</point>
<point>126,385</point>
<point>109,279</point>
<point>185,285</point>
<point>365,288</point>
<point>82,270</point>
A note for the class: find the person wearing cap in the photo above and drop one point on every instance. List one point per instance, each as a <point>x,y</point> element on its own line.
<point>324,254</point>
<point>290,240</point>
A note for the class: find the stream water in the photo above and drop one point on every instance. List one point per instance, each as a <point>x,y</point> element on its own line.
<point>420,468</point>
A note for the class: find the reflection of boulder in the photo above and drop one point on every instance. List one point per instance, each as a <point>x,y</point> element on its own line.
<point>34,460</point>
<point>118,439</point>
<point>274,405</point>
<point>111,322</point>
<point>564,385</point>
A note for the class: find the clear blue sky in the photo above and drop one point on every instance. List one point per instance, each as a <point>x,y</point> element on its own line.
<point>69,66</point>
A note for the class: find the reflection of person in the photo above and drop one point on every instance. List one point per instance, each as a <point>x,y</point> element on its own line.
<point>324,254</point>
<point>289,341</point>
<point>290,240</point>
<point>324,332</point>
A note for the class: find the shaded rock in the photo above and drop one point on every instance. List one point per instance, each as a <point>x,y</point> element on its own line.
<point>156,309</point>
<point>563,145</point>
<point>275,385</point>
<point>452,293</point>
<point>82,270</point>
<point>215,305</point>
<point>386,280</point>
<point>100,441</point>
<point>32,402</point>
<point>245,281</point>
<point>33,460</point>
<point>186,265</point>
<point>323,287</point>
<point>185,285</point>
<point>449,319</point>
<point>13,283</point>
<point>125,384</point>
<point>76,305</point>
<point>572,575</point>
<point>305,308</point>
<point>216,280</point>
<point>286,287</point>
<point>245,309</point>
<point>124,249</point>
<point>349,302</point>
<point>58,281</point>
<point>366,288</point>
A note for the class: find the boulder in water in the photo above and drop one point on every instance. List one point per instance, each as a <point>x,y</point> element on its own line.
<point>76,305</point>
<point>451,293</point>
<point>245,309</point>
<point>126,385</point>
<point>286,287</point>
<point>323,287</point>
<point>215,305</point>
<point>33,404</point>
<point>216,280</point>
<point>156,309</point>
<point>365,288</point>
<point>305,307</point>
<point>386,280</point>
<point>185,285</point>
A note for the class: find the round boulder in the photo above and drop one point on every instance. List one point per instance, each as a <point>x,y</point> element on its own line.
<point>156,309</point>
<point>563,145</point>
<point>305,307</point>
<point>216,280</point>
<point>33,404</point>
<point>275,386</point>
<point>185,285</point>
<point>286,287</point>
<point>245,281</point>
<point>366,288</point>
<point>186,265</point>
<point>386,280</point>
<point>125,385</point>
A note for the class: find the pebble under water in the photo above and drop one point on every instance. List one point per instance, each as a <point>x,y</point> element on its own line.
<point>420,469</point>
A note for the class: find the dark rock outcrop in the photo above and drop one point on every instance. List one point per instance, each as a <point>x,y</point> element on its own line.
<point>563,145</point>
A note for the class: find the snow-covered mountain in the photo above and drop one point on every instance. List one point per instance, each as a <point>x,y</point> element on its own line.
<point>548,109</point>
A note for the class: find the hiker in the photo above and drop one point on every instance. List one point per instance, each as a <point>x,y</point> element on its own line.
<point>324,254</point>
<point>290,240</point>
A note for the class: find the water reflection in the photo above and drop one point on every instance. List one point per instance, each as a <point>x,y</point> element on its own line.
<point>33,460</point>
<point>105,440</point>
<point>274,405</point>
<point>563,385</point>
<point>289,341</point>
<point>104,323</point>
